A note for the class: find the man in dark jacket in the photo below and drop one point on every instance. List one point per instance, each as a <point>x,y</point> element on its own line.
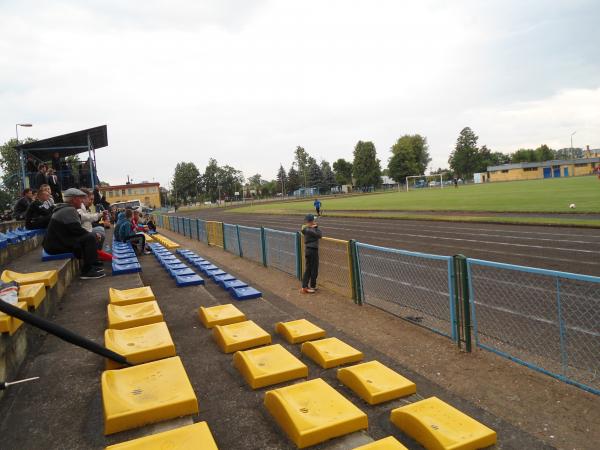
<point>39,212</point>
<point>22,204</point>
<point>312,234</point>
<point>41,177</point>
<point>65,234</point>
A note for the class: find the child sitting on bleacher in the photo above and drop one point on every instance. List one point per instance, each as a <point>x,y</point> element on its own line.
<point>125,233</point>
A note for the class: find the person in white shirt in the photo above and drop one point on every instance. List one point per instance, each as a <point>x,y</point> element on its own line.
<point>88,218</point>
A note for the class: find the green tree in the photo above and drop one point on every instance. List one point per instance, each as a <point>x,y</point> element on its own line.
<point>343,171</point>
<point>328,179</point>
<point>544,153</point>
<point>366,168</point>
<point>256,182</point>
<point>315,176</point>
<point>210,180</point>
<point>464,159</point>
<point>282,180</point>
<point>186,180</point>
<point>293,180</point>
<point>11,167</point>
<point>230,180</point>
<point>488,158</point>
<point>302,160</point>
<point>523,155</point>
<point>410,156</point>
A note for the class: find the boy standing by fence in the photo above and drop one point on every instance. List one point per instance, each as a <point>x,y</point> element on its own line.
<point>312,234</point>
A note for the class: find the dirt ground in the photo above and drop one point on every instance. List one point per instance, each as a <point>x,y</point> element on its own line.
<point>558,414</point>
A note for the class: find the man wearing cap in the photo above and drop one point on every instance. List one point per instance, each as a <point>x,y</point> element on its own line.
<point>312,234</point>
<point>65,234</point>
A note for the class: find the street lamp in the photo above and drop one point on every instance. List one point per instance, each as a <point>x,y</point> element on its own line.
<point>572,143</point>
<point>28,125</point>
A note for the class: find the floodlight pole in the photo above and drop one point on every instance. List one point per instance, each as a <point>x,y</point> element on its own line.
<point>572,142</point>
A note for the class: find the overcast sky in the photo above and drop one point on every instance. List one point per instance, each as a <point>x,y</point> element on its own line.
<point>247,81</point>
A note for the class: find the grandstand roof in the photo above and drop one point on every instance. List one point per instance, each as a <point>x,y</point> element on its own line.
<point>68,144</point>
<point>554,162</point>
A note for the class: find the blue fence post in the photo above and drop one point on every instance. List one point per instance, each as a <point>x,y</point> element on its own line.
<point>451,277</point>
<point>263,246</point>
<point>298,255</point>
<point>224,236</point>
<point>241,253</point>
<point>360,294</point>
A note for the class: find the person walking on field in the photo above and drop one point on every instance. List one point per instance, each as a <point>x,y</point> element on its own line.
<point>312,234</point>
<point>317,205</point>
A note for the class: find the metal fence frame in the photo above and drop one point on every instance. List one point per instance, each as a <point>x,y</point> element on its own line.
<point>432,310</point>
<point>280,248</point>
<point>231,238</point>
<point>567,324</point>
<point>214,232</point>
<point>251,243</point>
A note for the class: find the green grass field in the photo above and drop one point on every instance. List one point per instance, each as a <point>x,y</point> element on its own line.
<point>536,196</point>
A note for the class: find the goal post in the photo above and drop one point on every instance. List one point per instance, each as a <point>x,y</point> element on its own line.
<point>425,181</point>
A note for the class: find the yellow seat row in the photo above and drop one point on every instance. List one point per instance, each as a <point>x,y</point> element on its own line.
<point>312,412</point>
<point>165,241</point>
<point>157,388</point>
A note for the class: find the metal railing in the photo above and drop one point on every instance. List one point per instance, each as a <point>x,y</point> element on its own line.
<point>418,287</point>
<point>281,250</point>
<point>232,239</point>
<point>251,243</point>
<point>544,319</point>
<point>214,231</point>
<point>335,265</point>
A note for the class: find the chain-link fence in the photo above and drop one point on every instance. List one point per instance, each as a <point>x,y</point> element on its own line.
<point>214,231</point>
<point>417,287</point>
<point>172,223</point>
<point>281,250</point>
<point>202,233</point>
<point>232,242</point>
<point>335,265</point>
<point>545,319</point>
<point>251,243</point>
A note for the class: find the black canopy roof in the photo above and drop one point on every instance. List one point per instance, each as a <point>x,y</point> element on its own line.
<point>68,144</point>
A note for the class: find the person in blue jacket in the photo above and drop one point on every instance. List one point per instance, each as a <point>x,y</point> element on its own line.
<point>317,205</point>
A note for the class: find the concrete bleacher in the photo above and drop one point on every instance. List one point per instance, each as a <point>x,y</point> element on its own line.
<point>65,408</point>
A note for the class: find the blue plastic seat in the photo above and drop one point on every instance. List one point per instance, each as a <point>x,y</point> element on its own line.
<point>233,284</point>
<point>121,269</point>
<point>205,268</point>
<point>180,272</point>
<point>125,260</point>
<point>245,293</point>
<point>3,241</point>
<point>188,280</point>
<point>220,279</point>
<point>48,257</point>
<point>215,273</point>
<point>183,251</point>
<point>12,237</point>
<point>175,265</point>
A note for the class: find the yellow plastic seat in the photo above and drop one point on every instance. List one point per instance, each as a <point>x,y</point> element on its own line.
<point>438,426</point>
<point>193,436</point>
<point>168,243</point>
<point>312,412</point>
<point>144,394</point>
<point>265,366</point>
<point>10,324</point>
<point>130,296</point>
<point>297,331</point>
<point>220,315</point>
<point>388,443</point>
<point>375,383</point>
<point>148,237</point>
<point>32,294</point>
<point>331,352</point>
<point>48,277</point>
<point>140,344</point>
<point>240,336</point>
<point>135,315</point>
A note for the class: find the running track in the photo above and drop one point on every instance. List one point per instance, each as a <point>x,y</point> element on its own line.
<point>560,248</point>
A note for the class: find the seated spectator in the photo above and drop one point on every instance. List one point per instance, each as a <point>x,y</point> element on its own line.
<point>65,234</point>
<point>89,220</point>
<point>150,223</point>
<point>138,225</point>
<point>22,204</point>
<point>39,212</point>
<point>49,203</point>
<point>105,204</point>
<point>125,232</point>
<point>98,199</point>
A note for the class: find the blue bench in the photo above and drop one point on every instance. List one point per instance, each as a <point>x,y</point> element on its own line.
<point>121,269</point>
<point>215,273</point>
<point>181,272</point>
<point>245,293</point>
<point>48,257</point>
<point>220,279</point>
<point>122,261</point>
<point>188,280</point>
<point>233,284</point>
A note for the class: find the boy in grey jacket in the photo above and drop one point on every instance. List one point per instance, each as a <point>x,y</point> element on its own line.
<point>312,234</point>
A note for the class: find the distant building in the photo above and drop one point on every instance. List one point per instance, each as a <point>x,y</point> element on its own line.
<point>545,169</point>
<point>388,181</point>
<point>147,193</point>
